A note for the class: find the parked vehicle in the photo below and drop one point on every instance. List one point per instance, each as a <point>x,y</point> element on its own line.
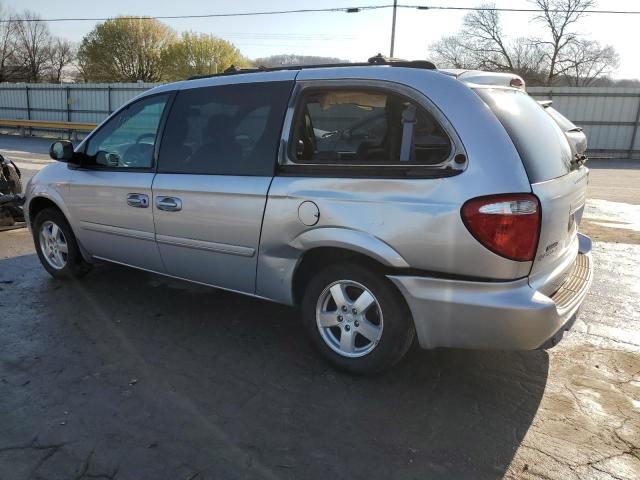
<point>575,136</point>
<point>387,200</point>
<point>479,77</point>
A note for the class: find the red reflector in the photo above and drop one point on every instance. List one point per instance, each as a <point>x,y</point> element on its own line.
<point>517,83</point>
<point>508,225</point>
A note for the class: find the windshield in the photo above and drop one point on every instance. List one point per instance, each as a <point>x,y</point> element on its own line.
<point>542,146</point>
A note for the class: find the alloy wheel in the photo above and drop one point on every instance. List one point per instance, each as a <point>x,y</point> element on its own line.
<point>349,318</point>
<point>53,245</point>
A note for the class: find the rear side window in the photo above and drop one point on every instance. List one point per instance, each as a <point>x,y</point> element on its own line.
<point>225,130</point>
<point>364,127</point>
<point>540,142</point>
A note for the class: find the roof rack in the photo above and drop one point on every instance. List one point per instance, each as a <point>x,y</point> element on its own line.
<point>378,59</point>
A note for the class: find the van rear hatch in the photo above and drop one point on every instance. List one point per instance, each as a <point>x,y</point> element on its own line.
<point>556,179</point>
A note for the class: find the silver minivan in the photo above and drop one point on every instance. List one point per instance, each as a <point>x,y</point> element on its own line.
<point>388,201</point>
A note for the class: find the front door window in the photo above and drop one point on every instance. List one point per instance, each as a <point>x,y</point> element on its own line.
<point>128,139</point>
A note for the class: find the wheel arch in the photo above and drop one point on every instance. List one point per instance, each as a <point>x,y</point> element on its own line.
<point>351,240</point>
<point>282,267</point>
<point>37,204</point>
<point>42,200</point>
<point>316,258</point>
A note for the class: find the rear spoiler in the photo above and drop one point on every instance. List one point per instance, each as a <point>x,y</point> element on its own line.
<point>546,103</point>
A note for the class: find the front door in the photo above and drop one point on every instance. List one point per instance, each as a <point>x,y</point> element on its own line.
<point>110,195</point>
<point>216,164</point>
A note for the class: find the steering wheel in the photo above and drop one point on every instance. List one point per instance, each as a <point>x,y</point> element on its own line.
<point>145,135</point>
<point>137,155</point>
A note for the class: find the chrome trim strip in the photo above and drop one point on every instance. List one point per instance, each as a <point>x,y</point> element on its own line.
<point>208,246</point>
<point>119,231</point>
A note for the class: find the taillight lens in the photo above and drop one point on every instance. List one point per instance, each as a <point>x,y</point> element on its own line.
<point>508,225</point>
<point>517,83</point>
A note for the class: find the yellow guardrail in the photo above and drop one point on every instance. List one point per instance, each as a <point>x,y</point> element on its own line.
<point>46,124</point>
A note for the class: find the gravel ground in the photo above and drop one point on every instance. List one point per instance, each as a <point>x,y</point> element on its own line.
<point>130,375</point>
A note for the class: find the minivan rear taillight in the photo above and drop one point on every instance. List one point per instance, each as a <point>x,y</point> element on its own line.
<point>508,225</point>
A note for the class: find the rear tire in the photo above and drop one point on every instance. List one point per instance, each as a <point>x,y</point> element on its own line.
<point>357,319</point>
<point>57,246</point>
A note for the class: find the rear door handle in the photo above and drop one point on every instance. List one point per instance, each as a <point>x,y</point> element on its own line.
<point>137,200</point>
<point>169,204</point>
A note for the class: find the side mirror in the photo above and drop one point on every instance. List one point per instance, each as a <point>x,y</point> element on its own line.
<point>62,150</point>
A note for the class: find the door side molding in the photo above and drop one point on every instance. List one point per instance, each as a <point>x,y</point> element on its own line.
<point>208,246</point>
<point>118,231</point>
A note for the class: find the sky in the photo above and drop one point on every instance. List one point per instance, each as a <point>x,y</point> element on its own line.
<point>352,36</point>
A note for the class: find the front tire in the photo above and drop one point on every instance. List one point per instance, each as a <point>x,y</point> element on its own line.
<point>357,319</point>
<point>56,245</point>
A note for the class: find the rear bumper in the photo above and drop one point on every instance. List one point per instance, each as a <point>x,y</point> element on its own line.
<point>494,315</point>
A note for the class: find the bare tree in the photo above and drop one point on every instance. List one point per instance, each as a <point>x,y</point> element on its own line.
<point>452,52</point>
<point>561,54</point>
<point>481,44</point>
<point>7,44</point>
<point>62,53</point>
<point>483,36</point>
<point>559,16</point>
<point>587,60</point>
<point>528,60</point>
<point>33,41</point>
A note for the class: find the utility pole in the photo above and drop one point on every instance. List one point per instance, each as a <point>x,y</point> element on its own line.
<point>393,26</point>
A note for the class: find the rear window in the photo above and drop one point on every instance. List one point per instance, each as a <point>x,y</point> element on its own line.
<point>565,124</point>
<point>540,142</point>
